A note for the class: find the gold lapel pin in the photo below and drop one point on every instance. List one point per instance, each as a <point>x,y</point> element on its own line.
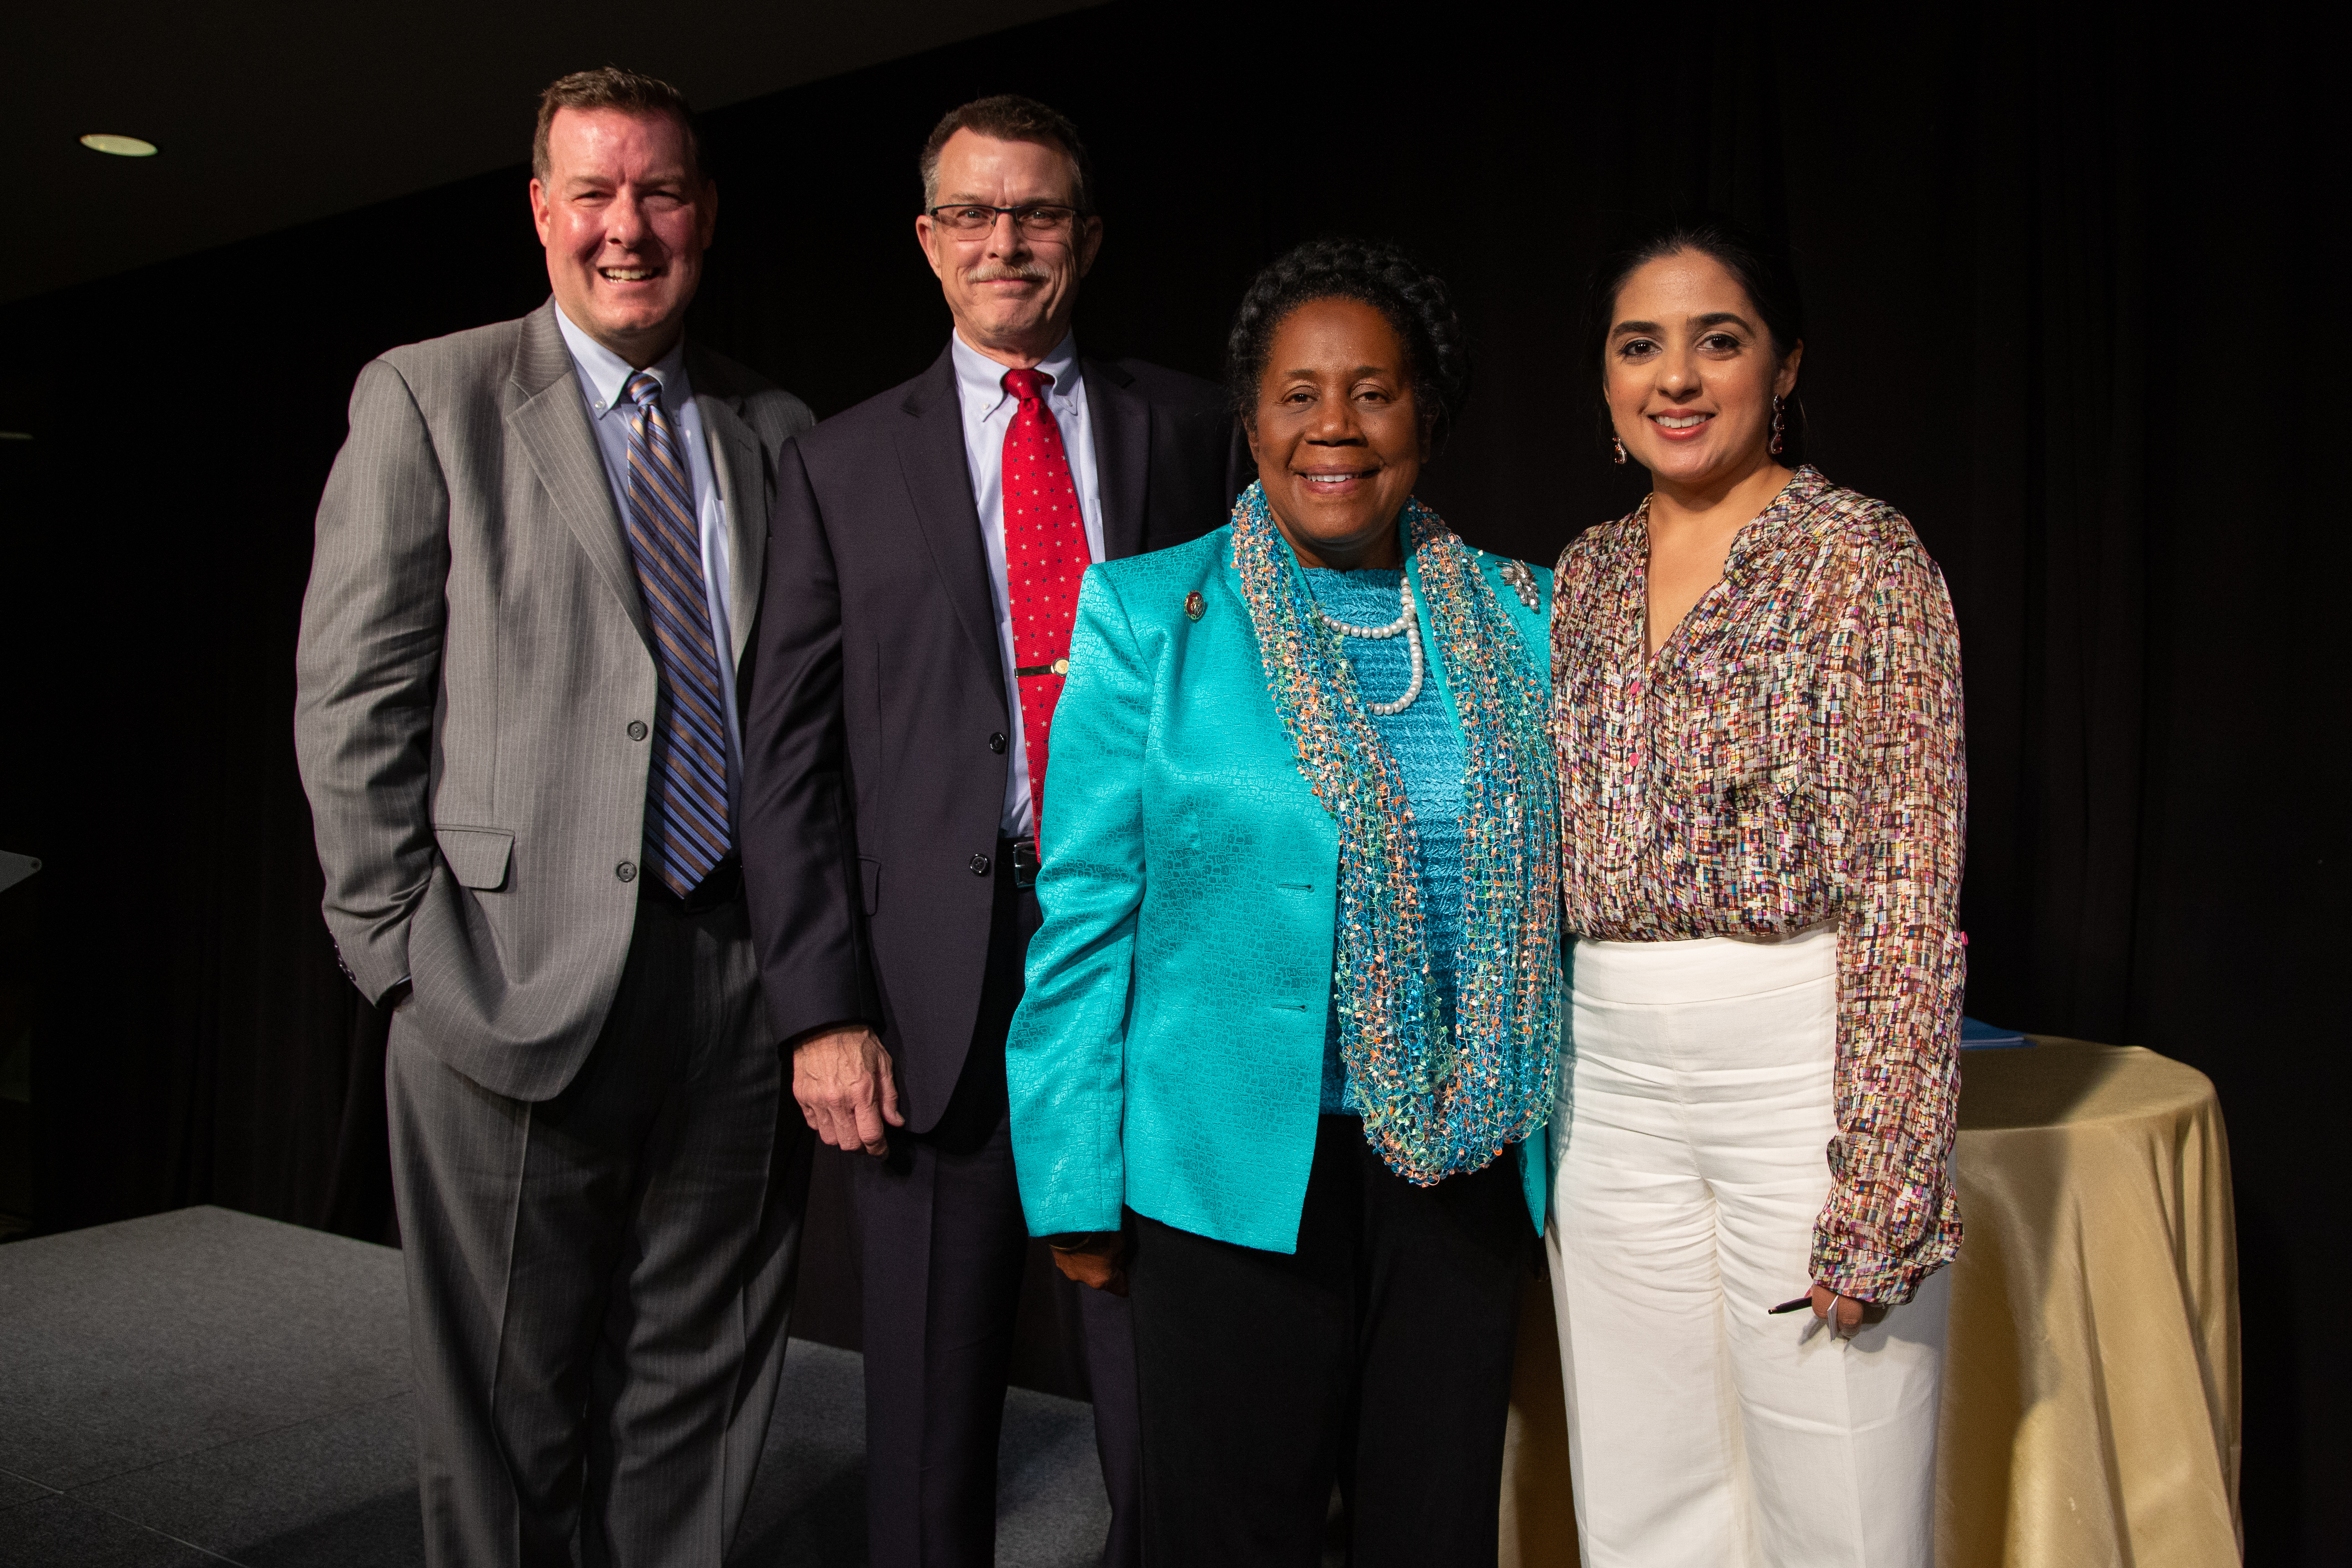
<point>1194,605</point>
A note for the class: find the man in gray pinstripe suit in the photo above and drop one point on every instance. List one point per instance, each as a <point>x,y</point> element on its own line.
<point>539,559</point>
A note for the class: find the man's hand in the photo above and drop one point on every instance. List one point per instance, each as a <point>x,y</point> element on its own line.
<point>841,1075</point>
<point>1092,1259</point>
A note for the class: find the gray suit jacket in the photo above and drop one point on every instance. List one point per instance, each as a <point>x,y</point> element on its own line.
<point>473,655</point>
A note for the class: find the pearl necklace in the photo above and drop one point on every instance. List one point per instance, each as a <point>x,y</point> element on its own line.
<point>1406,625</point>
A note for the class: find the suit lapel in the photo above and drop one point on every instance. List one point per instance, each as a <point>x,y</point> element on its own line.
<point>939,482</point>
<point>551,428</point>
<point>735,462</point>
<point>1122,432</point>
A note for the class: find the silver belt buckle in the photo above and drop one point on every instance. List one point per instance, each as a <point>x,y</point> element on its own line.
<point>1024,862</point>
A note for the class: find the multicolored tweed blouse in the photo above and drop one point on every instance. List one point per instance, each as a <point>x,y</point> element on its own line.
<point>1792,755</point>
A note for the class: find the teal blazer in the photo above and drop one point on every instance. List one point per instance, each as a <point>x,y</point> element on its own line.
<point>1168,1055</point>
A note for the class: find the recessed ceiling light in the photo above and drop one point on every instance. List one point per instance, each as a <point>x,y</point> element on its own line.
<point>121,146</point>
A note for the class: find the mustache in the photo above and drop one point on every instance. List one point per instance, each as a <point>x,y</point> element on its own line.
<point>1000,273</point>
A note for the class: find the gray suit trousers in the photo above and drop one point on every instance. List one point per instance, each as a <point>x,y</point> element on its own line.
<point>598,1284</point>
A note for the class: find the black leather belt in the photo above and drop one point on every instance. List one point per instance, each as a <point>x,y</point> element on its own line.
<point>722,886</point>
<point>1022,855</point>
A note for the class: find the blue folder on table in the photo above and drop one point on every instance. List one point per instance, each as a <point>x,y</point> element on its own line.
<point>1976,1035</point>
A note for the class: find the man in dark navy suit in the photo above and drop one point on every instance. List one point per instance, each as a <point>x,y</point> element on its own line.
<point>922,573</point>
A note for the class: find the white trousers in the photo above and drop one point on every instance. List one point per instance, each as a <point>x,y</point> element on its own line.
<point>1691,1142</point>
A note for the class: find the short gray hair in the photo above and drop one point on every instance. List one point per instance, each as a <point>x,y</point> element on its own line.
<point>1009,117</point>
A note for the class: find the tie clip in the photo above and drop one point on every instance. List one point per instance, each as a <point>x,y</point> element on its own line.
<point>1059,666</point>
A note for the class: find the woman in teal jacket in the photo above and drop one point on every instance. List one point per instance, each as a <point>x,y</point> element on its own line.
<point>1289,1038</point>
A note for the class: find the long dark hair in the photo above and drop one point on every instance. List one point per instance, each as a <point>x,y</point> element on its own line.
<point>1761,268</point>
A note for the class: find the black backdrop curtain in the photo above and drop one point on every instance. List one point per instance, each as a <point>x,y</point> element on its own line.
<point>2071,309</point>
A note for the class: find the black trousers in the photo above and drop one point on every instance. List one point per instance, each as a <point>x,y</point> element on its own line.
<point>1378,1356</point>
<point>942,1243</point>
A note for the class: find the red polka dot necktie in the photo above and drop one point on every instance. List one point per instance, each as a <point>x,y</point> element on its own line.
<point>1044,556</point>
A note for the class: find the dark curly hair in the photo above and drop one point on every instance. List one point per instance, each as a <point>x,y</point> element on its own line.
<point>1415,302</point>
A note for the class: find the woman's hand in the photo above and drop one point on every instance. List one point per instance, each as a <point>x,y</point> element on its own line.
<point>1852,1314</point>
<point>1092,1259</point>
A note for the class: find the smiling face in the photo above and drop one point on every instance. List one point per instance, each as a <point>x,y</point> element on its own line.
<point>626,219</point>
<point>1011,295</point>
<point>1690,374</point>
<point>1338,437</point>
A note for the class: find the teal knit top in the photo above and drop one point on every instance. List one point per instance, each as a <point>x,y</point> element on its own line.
<point>1428,750</point>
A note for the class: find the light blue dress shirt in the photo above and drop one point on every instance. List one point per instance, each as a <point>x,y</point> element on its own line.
<point>988,411</point>
<point>604,375</point>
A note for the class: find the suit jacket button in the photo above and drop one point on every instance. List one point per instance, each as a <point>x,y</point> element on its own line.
<point>636,729</point>
<point>979,865</point>
<point>996,744</point>
<point>626,872</point>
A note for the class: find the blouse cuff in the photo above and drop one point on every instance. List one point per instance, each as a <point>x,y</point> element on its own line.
<point>1869,1276</point>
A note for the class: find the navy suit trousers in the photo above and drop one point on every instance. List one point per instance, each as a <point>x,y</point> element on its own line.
<point>942,1245</point>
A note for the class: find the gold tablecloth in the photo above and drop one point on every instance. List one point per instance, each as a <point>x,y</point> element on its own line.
<point>2091,1379</point>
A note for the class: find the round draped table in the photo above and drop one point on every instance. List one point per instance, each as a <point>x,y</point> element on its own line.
<point>2091,1385</point>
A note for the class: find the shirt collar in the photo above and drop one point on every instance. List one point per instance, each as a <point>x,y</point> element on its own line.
<point>1794,500</point>
<point>979,380</point>
<point>607,374</point>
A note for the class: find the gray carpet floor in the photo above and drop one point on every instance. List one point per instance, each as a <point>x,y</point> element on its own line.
<point>204,1387</point>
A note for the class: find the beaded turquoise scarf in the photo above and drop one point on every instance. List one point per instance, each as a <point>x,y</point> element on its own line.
<point>1436,1102</point>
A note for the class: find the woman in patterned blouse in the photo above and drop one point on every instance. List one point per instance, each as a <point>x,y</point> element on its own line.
<point>1756,702</point>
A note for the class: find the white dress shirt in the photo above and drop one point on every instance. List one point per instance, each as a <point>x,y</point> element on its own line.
<point>988,412</point>
<point>604,377</point>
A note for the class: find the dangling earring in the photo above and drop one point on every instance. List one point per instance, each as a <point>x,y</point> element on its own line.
<point>1779,423</point>
<point>1621,448</point>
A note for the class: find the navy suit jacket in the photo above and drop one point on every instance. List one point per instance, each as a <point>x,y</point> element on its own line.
<point>875,749</point>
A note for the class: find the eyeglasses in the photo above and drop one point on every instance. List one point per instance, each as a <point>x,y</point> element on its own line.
<point>970,220</point>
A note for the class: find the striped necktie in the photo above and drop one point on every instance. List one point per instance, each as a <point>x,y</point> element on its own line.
<point>686,796</point>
